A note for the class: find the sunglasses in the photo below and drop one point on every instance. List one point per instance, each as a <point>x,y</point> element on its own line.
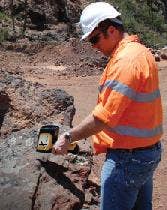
<point>94,39</point>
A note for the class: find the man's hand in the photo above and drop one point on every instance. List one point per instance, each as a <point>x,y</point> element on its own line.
<point>61,146</point>
<point>90,126</point>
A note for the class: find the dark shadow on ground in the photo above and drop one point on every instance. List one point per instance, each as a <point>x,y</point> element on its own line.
<point>4,106</point>
<point>57,172</point>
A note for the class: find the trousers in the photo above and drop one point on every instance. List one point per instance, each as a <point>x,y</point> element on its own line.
<point>127,179</point>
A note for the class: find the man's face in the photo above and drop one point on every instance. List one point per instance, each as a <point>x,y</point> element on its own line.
<point>105,43</point>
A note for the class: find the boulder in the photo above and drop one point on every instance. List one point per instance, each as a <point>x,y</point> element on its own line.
<point>157,57</point>
<point>33,180</point>
<point>164,53</point>
<point>23,104</point>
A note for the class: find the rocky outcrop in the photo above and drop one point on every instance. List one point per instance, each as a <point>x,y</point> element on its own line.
<point>43,20</point>
<point>32,180</point>
<point>24,104</point>
<point>42,12</point>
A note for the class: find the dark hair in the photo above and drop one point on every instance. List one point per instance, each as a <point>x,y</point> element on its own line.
<point>117,23</point>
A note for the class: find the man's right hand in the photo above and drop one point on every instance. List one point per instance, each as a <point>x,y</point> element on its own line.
<point>61,146</point>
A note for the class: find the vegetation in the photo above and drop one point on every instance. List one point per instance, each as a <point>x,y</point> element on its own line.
<point>3,35</point>
<point>147,18</point>
<point>3,31</point>
<point>4,17</point>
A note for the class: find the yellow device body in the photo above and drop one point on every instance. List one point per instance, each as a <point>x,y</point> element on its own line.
<point>44,142</point>
<point>47,137</point>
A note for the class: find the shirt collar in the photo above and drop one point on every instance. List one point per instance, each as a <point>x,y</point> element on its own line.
<point>127,39</point>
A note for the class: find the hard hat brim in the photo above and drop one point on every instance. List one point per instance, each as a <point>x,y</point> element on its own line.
<point>102,19</point>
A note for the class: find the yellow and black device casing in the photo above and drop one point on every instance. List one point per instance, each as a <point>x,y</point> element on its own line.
<point>47,137</point>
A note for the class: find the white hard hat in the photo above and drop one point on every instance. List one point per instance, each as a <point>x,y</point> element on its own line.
<point>93,14</point>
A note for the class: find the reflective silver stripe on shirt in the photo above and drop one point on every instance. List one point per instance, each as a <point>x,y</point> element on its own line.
<point>136,132</point>
<point>129,92</point>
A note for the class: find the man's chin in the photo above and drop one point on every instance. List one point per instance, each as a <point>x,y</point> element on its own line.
<point>107,54</point>
<point>104,52</point>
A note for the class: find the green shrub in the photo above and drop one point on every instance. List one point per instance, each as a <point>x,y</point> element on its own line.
<point>4,17</point>
<point>3,35</point>
<point>144,18</point>
<point>4,31</point>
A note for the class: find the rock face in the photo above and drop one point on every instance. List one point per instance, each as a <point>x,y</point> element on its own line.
<point>24,104</point>
<point>55,19</point>
<point>32,180</point>
<point>44,12</point>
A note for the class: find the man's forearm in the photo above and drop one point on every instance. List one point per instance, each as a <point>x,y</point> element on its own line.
<point>89,126</point>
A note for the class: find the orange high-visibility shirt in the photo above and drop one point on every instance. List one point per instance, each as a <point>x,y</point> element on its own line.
<point>129,100</point>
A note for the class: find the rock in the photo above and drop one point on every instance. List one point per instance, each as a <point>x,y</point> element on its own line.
<point>152,51</point>
<point>69,115</point>
<point>44,15</point>
<point>40,181</point>
<point>4,105</point>
<point>23,104</point>
<point>157,57</point>
<point>31,180</point>
<point>164,53</point>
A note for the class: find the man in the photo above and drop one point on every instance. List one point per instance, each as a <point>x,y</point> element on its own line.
<point>126,123</point>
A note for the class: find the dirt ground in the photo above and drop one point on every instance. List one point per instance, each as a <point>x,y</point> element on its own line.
<point>84,90</point>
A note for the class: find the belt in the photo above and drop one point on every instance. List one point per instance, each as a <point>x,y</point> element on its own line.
<point>135,149</point>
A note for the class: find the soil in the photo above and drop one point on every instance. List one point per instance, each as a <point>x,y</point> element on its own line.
<point>84,90</point>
